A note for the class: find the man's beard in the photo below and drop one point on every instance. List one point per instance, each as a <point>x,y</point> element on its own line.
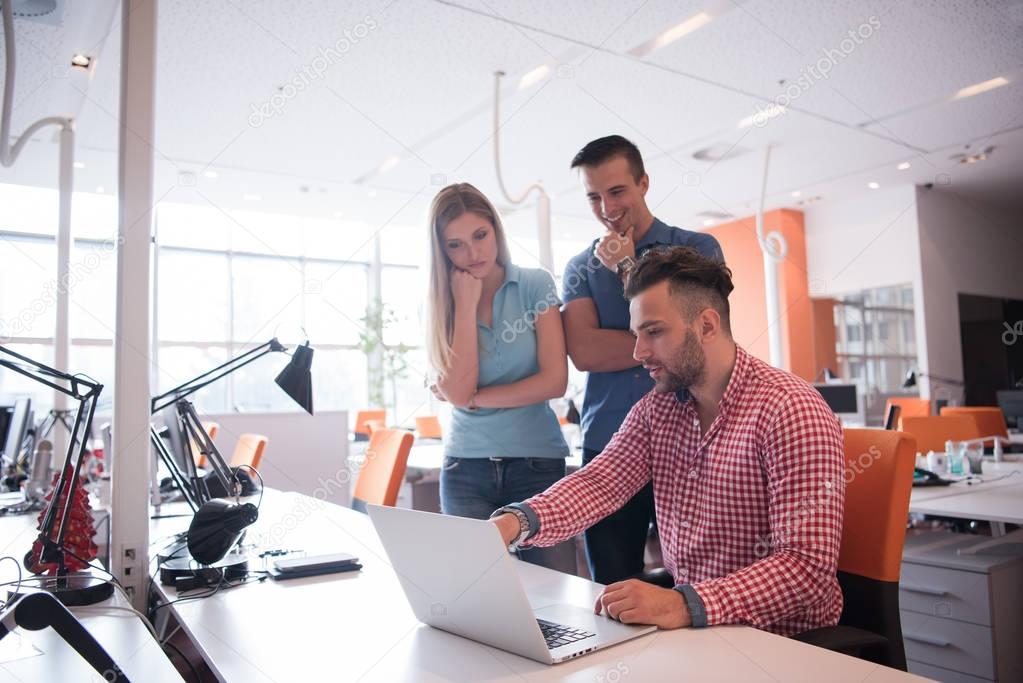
<point>684,368</point>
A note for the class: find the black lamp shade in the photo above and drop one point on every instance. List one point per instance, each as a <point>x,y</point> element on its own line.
<point>910,380</point>
<point>216,527</point>
<point>296,378</point>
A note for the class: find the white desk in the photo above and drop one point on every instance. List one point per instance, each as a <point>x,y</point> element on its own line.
<point>122,635</point>
<point>359,626</point>
<point>999,499</point>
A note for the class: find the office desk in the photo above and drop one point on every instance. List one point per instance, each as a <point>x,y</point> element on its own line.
<point>999,500</point>
<point>123,635</point>
<point>359,626</point>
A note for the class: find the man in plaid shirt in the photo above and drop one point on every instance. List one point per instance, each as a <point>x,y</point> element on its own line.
<point>746,461</point>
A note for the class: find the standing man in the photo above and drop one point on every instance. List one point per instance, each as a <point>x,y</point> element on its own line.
<point>596,318</point>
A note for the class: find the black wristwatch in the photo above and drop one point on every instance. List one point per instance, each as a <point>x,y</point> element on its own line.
<point>625,266</point>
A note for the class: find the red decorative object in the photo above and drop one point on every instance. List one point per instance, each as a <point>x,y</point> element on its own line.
<point>78,534</point>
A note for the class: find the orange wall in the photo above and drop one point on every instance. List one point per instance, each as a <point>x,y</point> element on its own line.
<point>824,336</point>
<point>748,302</point>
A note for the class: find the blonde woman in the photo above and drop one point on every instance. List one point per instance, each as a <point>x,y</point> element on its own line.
<point>497,345</point>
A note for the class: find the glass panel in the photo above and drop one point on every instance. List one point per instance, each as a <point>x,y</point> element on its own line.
<point>267,299</point>
<point>93,216</point>
<point>14,385</point>
<point>339,380</point>
<point>340,240</point>
<point>403,293</point>
<point>92,287</point>
<point>179,364</point>
<point>405,244</point>
<point>98,363</point>
<point>28,209</point>
<point>408,393</point>
<point>335,302</point>
<point>193,296</point>
<point>28,288</point>
<point>266,233</point>
<point>254,388</point>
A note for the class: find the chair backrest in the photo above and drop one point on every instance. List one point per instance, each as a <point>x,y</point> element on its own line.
<point>374,425</point>
<point>909,406</point>
<point>879,479</point>
<point>428,427</point>
<point>383,468</point>
<point>211,428</point>
<point>364,416</point>
<point>932,432</point>
<point>249,450</point>
<point>990,420</point>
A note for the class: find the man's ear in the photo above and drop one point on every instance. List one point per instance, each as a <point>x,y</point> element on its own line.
<point>644,184</point>
<point>709,322</point>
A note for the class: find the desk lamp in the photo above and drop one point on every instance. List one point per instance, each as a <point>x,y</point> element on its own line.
<point>51,551</point>
<point>217,524</point>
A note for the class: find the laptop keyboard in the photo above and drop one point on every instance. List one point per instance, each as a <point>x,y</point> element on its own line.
<point>557,635</point>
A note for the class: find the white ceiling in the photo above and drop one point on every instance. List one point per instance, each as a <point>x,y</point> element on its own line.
<point>418,86</point>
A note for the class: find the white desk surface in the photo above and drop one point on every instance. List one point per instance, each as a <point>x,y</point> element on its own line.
<point>121,634</point>
<point>998,499</point>
<point>359,626</point>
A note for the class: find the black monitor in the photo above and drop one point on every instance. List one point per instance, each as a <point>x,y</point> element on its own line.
<point>15,421</point>
<point>1011,403</point>
<point>175,439</point>
<point>843,399</point>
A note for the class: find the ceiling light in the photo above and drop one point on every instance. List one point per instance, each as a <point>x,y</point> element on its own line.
<point>719,151</point>
<point>797,193</point>
<point>79,164</point>
<point>534,76</point>
<point>873,185</point>
<point>389,164</point>
<point>978,88</point>
<point>964,158</point>
<point>251,197</point>
<point>674,33</point>
<point>707,223</point>
<point>762,116</point>
<point>903,166</point>
<point>809,200</point>
<point>210,174</point>
<point>81,61</point>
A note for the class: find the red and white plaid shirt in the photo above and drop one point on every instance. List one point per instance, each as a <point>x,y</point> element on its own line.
<point>749,514</point>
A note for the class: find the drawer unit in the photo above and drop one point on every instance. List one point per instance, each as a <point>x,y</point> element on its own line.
<point>961,606</point>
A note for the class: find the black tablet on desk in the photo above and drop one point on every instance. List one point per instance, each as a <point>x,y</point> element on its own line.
<point>316,565</point>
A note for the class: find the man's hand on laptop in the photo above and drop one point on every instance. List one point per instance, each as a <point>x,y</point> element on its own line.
<point>636,602</point>
<point>508,525</point>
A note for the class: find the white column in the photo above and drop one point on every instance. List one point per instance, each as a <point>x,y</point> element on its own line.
<point>62,340</point>
<point>129,551</point>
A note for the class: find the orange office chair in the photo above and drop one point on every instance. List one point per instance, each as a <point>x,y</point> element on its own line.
<point>990,421</point>
<point>932,432</point>
<point>374,425</point>
<point>249,450</point>
<point>360,430</point>
<point>909,406</point>
<point>879,479</point>
<point>383,469</point>
<point>428,427</point>
<point>211,428</point>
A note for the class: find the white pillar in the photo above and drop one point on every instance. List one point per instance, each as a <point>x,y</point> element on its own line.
<point>62,340</point>
<point>129,551</point>
<point>543,231</point>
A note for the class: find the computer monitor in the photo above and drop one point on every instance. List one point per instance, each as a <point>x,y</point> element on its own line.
<point>175,439</point>
<point>15,420</point>
<point>1011,403</point>
<point>891,419</point>
<point>844,401</point>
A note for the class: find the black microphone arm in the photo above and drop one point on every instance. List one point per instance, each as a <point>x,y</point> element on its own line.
<point>36,611</point>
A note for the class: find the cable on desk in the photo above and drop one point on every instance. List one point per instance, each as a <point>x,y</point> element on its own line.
<point>20,577</point>
<point>259,502</point>
<point>174,647</point>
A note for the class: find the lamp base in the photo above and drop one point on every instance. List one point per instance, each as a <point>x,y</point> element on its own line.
<point>234,566</point>
<point>75,589</point>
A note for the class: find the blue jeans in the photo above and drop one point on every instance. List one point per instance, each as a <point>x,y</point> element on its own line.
<point>475,487</point>
<point>615,545</point>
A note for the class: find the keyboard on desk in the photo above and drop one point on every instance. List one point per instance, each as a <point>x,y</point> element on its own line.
<point>557,635</point>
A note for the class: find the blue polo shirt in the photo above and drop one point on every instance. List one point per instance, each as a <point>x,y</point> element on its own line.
<point>610,395</point>
<point>508,353</point>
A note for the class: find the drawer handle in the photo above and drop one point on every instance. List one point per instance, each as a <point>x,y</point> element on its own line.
<point>912,588</point>
<point>930,640</point>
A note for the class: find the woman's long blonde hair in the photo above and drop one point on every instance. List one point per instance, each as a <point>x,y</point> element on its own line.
<point>450,203</point>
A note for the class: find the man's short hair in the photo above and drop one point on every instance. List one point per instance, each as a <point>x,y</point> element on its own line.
<point>695,281</point>
<point>600,150</point>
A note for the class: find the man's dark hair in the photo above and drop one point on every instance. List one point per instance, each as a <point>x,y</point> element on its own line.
<point>602,149</point>
<point>696,282</point>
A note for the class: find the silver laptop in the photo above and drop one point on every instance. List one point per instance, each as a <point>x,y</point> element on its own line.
<point>458,576</point>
